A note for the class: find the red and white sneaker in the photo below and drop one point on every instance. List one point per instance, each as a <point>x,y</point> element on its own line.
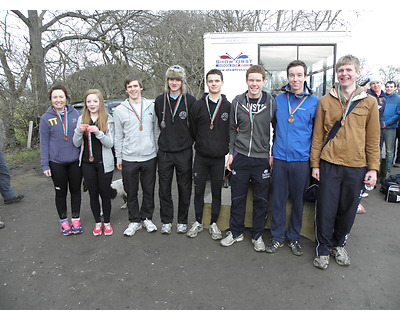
<point>98,229</point>
<point>108,230</point>
<point>360,209</point>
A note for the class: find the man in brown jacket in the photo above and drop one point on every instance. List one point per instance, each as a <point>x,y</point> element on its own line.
<point>346,162</point>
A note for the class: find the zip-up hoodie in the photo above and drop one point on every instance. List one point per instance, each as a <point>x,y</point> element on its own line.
<point>106,139</point>
<point>391,114</point>
<point>53,147</point>
<point>130,143</point>
<point>292,141</point>
<point>213,142</point>
<point>251,139</point>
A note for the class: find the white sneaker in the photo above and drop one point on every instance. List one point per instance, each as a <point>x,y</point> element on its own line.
<point>216,234</point>
<point>149,225</point>
<point>132,228</point>
<point>166,228</point>
<point>259,244</point>
<point>181,228</point>
<point>195,229</point>
<point>229,240</point>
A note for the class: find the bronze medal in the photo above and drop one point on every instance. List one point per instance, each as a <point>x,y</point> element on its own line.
<point>65,138</point>
<point>141,128</point>
<point>91,158</point>
<point>291,119</point>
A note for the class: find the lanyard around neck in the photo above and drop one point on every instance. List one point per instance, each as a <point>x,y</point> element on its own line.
<point>64,122</point>
<point>140,118</point>
<point>249,108</point>
<point>345,106</point>
<point>178,101</point>
<point>217,107</point>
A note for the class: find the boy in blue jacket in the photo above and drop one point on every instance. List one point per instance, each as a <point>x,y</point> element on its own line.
<point>295,112</point>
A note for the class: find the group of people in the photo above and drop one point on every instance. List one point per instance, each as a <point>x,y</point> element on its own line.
<point>389,111</point>
<point>150,137</point>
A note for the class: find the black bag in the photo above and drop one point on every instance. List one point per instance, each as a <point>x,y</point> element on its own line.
<point>391,188</point>
<point>312,191</point>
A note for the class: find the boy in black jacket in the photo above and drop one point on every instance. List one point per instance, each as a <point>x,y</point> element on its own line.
<point>209,124</point>
<point>174,148</point>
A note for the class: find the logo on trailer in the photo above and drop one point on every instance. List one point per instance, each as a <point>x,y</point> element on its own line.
<point>241,62</point>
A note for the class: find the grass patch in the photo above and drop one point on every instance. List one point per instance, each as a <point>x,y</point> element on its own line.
<point>22,157</point>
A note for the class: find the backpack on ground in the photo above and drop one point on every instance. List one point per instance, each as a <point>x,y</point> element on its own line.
<point>391,188</point>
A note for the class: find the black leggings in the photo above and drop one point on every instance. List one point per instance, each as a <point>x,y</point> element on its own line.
<point>67,175</point>
<point>98,184</point>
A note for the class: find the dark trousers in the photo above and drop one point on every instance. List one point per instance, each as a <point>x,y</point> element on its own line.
<point>203,168</point>
<point>67,176</point>
<point>255,172</point>
<point>132,173</point>
<point>98,184</point>
<point>397,160</point>
<point>339,194</point>
<point>182,163</point>
<point>289,180</point>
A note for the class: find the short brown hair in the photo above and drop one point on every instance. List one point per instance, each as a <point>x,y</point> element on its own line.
<point>256,69</point>
<point>129,79</point>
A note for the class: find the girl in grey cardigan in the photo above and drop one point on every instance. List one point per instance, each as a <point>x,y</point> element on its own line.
<point>94,133</point>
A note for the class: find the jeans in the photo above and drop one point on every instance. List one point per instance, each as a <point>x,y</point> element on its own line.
<point>389,138</point>
<point>5,188</point>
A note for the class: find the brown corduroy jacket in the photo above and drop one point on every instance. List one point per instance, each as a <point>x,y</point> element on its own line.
<point>357,142</point>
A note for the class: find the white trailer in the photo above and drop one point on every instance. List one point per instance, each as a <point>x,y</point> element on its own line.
<point>234,52</point>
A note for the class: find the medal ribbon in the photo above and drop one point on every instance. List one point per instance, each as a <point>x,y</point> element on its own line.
<point>90,145</point>
<point>140,119</point>
<point>292,111</point>
<point>212,118</point>
<point>64,122</point>
<point>345,106</point>
<point>173,113</point>
<point>250,109</point>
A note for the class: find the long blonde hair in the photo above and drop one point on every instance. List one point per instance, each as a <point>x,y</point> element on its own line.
<point>103,115</point>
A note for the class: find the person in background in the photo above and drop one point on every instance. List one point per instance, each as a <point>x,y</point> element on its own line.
<point>60,157</point>
<point>391,116</point>
<point>136,134</point>
<point>345,163</point>
<point>209,125</point>
<point>295,113</point>
<point>397,144</point>
<point>7,192</point>
<point>251,114</point>
<point>175,151</point>
<point>94,134</point>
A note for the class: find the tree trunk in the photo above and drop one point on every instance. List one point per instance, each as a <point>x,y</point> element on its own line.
<point>36,59</point>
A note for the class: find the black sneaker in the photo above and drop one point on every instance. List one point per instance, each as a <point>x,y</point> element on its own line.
<point>17,198</point>
<point>273,245</point>
<point>296,248</point>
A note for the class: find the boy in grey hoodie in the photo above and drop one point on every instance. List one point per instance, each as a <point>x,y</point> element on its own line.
<point>249,157</point>
<point>136,135</point>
